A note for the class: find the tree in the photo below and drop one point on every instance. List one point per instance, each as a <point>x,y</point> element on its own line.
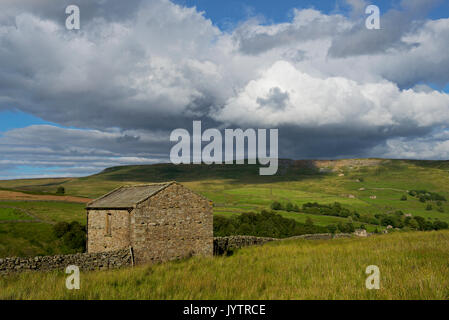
<point>413,224</point>
<point>276,205</point>
<point>60,229</point>
<point>72,235</point>
<point>423,223</point>
<point>245,229</point>
<point>387,220</point>
<point>429,207</point>
<point>289,207</point>
<point>332,228</point>
<point>438,225</point>
<point>309,221</point>
<point>60,190</point>
<point>341,227</point>
<point>309,225</point>
<point>404,198</point>
<point>350,227</point>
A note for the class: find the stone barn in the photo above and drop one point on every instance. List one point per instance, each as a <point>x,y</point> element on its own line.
<point>158,222</point>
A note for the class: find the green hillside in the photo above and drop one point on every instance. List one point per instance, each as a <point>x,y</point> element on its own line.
<point>368,186</point>
<point>239,188</point>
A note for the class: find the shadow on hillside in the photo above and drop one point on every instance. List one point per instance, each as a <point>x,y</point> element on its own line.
<point>288,170</point>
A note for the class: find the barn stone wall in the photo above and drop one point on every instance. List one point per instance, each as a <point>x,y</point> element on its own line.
<point>175,223</point>
<point>98,240</point>
<point>85,261</point>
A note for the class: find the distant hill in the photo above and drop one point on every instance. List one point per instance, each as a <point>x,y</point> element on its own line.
<point>289,170</point>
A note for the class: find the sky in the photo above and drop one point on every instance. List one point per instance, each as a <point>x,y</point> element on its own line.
<point>73,102</point>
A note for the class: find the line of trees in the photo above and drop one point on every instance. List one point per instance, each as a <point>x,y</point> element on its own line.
<point>397,219</point>
<point>276,205</point>
<point>265,224</point>
<point>424,195</point>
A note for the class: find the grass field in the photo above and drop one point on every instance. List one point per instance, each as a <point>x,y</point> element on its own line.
<point>13,214</point>
<point>412,266</point>
<point>28,239</point>
<point>35,235</point>
<point>50,211</point>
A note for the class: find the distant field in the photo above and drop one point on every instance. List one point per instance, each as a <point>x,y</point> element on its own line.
<point>35,237</point>
<point>28,239</point>
<point>412,266</point>
<point>35,195</point>
<point>51,211</point>
<point>12,214</point>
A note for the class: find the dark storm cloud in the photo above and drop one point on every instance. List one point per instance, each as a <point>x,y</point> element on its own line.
<point>345,142</point>
<point>111,10</point>
<point>394,25</point>
<point>89,151</point>
<point>110,74</point>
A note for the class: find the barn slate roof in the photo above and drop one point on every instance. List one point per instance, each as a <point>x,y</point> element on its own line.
<point>126,197</point>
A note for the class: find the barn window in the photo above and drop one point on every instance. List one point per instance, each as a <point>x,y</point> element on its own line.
<point>108,229</point>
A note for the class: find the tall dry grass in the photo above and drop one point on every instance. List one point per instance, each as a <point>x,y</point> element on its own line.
<point>412,266</point>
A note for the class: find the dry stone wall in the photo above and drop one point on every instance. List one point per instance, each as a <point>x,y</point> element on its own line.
<point>125,257</point>
<point>85,261</point>
<point>223,245</point>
